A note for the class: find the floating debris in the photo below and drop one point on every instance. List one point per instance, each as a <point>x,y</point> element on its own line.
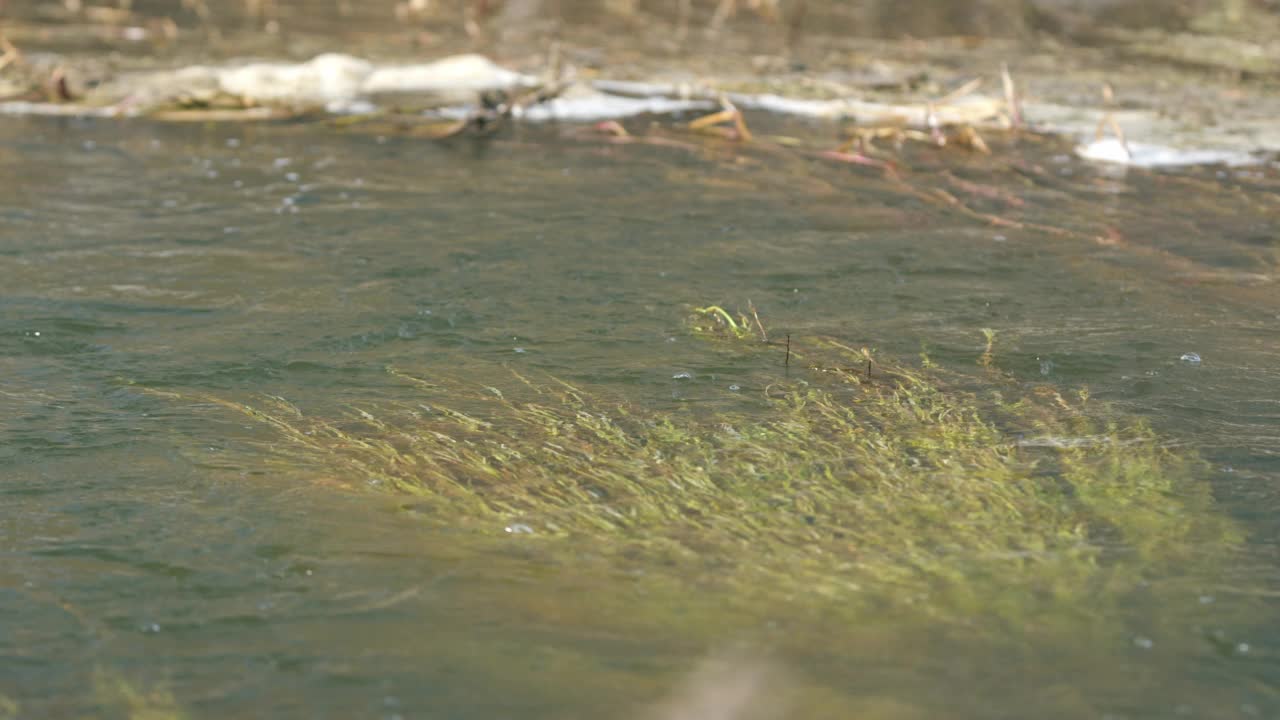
<point>582,105</point>
<point>1143,155</point>
<point>474,93</point>
<point>336,82</point>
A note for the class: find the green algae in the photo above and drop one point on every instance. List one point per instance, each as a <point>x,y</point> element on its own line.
<point>120,698</point>
<point>834,516</point>
<point>844,483</point>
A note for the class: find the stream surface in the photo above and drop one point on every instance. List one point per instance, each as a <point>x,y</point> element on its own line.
<point>151,546</point>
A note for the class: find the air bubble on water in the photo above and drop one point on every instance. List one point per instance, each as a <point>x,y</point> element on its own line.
<point>1144,643</point>
<point>212,174</point>
<point>682,376</point>
<point>735,387</point>
<point>1243,648</point>
<point>281,162</point>
<point>151,628</point>
<point>238,184</point>
<point>519,529</point>
<point>291,177</point>
<point>1190,358</point>
<point>233,142</point>
<point>1206,599</point>
<point>1046,367</point>
<point>521,350</point>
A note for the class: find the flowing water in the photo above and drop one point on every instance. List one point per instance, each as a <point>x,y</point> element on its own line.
<point>158,557</point>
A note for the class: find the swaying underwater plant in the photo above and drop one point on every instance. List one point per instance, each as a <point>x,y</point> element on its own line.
<point>902,487</point>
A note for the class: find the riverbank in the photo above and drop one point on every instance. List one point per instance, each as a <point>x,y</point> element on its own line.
<point>1150,99</point>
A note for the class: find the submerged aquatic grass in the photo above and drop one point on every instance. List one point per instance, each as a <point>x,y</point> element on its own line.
<point>118,697</point>
<point>908,487</point>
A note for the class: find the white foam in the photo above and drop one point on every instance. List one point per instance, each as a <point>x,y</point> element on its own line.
<point>1145,155</point>
<point>606,107</point>
<point>325,79</point>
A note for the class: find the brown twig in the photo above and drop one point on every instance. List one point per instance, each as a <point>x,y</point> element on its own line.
<point>56,88</point>
<point>854,158</point>
<point>990,192</point>
<point>729,113</point>
<point>959,92</point>
<point>946,198</point>
<point>10,55</point>
<point>1109,120</point>
<point>1011,98</point>
<point>764,336</point>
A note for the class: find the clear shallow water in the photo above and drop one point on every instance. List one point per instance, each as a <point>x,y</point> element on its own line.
<point>144,539</point>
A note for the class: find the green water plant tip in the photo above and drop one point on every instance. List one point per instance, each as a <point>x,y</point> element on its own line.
<point>122,698</point>
<point>739,327</point>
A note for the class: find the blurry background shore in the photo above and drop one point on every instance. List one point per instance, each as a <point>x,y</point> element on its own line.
<point>802,29</point>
